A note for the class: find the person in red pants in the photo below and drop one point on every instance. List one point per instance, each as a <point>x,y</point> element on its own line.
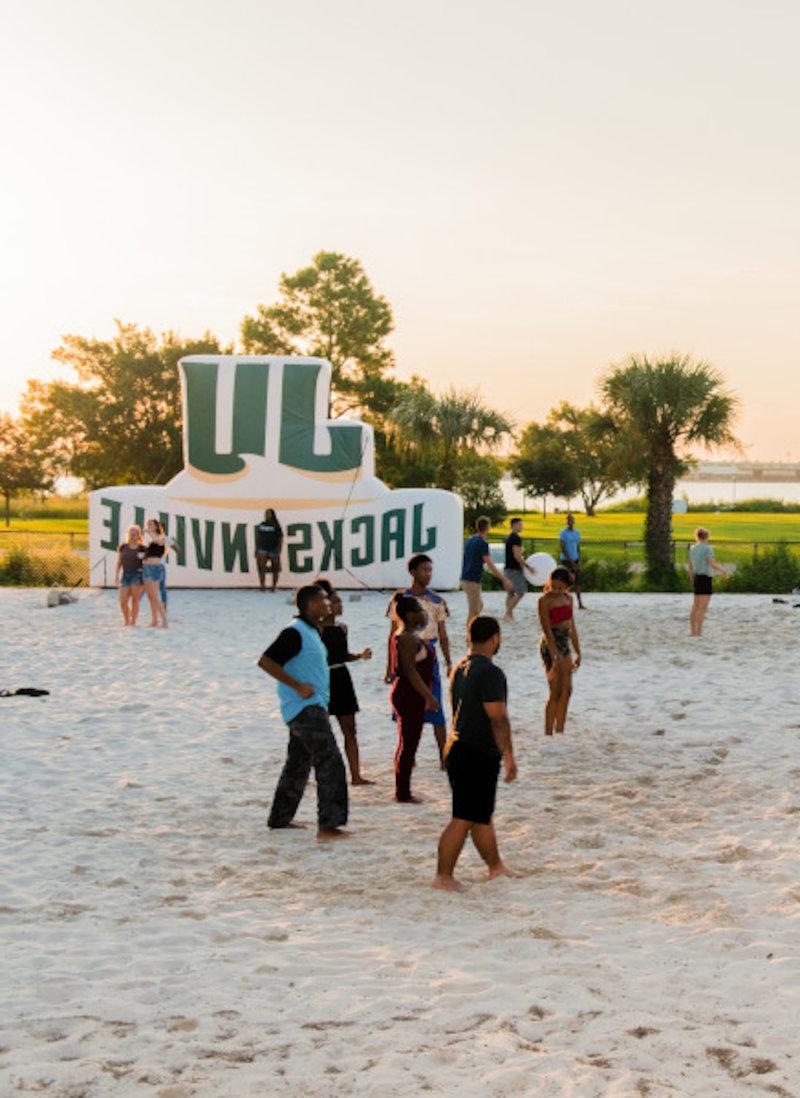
<point>411,669</point>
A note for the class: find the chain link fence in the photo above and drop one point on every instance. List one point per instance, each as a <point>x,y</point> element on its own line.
<point>43,559</point>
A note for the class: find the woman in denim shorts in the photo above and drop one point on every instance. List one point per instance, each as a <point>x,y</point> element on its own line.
<point>154,571</point>
<point>129,576</point>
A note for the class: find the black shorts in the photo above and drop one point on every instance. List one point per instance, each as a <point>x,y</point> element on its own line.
<point>703,585</point>
<point>473,779</point>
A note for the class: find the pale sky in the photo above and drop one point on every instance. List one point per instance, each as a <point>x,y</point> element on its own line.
<point>537,189</point>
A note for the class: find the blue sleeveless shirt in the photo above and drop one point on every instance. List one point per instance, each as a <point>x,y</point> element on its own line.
<point>309,665</point>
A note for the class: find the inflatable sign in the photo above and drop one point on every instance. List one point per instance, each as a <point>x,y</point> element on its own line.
<point>256,434</point>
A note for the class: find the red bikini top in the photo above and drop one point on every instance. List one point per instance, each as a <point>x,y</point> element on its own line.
<point>560,613</point>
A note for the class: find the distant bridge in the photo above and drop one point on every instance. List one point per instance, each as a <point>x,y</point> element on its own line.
<point>768,472</point>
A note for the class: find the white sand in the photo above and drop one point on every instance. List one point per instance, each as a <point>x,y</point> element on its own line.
<point>157,939</point>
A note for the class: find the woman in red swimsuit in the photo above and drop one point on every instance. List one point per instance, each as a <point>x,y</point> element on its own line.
<point>411,672</point>
<point>558,629</point>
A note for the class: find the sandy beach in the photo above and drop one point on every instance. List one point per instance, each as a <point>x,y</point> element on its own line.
<point>158,940</point>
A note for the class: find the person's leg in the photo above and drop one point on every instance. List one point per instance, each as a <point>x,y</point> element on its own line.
<point>552,702</point>
<point>331,778</point>
<point>151,588</point>
<point>347,723</point>
<point>577,588</point>
<point>409,731</point>
<point>292,782</point>
<point>162,588</point>
<point>136,602</point>
<point>261,565</point>
<point>276,571</point>
<point>564,681</point>
<point>451,843</point>
<point>693,618</point>
<point>702,608</point>
<point>485,840</point>
<point>124,604</point>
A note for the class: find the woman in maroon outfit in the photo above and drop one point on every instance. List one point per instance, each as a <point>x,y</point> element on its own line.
<point>411,670</point>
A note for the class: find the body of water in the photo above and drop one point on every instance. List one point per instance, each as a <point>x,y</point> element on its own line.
<point>720,493</point>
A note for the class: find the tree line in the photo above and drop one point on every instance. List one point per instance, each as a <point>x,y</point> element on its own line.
<point>118,421</point>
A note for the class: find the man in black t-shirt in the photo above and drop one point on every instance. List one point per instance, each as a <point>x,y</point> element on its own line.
<point>479,742</point>
<point>515,568</point>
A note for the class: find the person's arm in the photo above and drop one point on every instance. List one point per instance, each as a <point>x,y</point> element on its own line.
<point>689,565</point>
<point>518,557</point>
<point>576,644</point>
<point>564,550</point>
<point>712,563</point>
<point>444,641</point>
<point>304,689</point>
<point>547,629</point>
<point>492,567</point>
<point>352,656</point>
<point>497,712</point>
<point>407,651</point>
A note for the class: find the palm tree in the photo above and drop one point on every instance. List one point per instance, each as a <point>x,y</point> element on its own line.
<point>446,427</point>
<point>661,407</point>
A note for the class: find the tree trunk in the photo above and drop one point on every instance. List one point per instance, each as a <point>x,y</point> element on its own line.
<point>658,524</point>
<point>544,507</point>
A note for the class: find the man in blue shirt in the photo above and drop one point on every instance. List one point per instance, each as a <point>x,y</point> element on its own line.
<point>476,556</point>
<point>570,540</point>
<point>298,660</point>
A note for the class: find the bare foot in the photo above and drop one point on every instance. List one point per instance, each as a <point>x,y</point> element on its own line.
<point>448,884</point>
<point>501,871</point>
<point>328,834</point>
<point>361,781</point>
<point>287,827</point>
<point>409,800</point>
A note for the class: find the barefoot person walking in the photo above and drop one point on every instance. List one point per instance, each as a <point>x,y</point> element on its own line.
<point>411,672</point>
<point>420,568</point>
<point>479,742</point>
<point>476,557</point>
<point>558,629</point>
<point>298,661</point>
<point>701,564</point>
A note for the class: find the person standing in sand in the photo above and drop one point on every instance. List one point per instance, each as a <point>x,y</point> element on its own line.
<point>476,558</point>
<point>479,743</point>
<point>411,672</point>
<point>130,575</point>
<point>558,630</point>
<point>569,541</point>
<point>420,568</point>
<point>153,570</point>
<point>515,569</point>
<point>343,703</point>
<point>298,661</point>
<point>701,565</point>
<point>269,542</point>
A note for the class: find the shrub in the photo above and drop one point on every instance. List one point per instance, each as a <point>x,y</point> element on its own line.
<point>23,568</point>
<point>605,575</point>
<point>771,571</point>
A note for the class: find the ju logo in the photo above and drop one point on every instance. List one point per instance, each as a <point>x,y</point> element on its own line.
<point>224,424</point>
<point>258,438</point>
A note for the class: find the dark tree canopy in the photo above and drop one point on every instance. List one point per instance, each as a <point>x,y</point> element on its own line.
<point>328,309</point>
<point>120,422</point>
<point>24,467</point>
